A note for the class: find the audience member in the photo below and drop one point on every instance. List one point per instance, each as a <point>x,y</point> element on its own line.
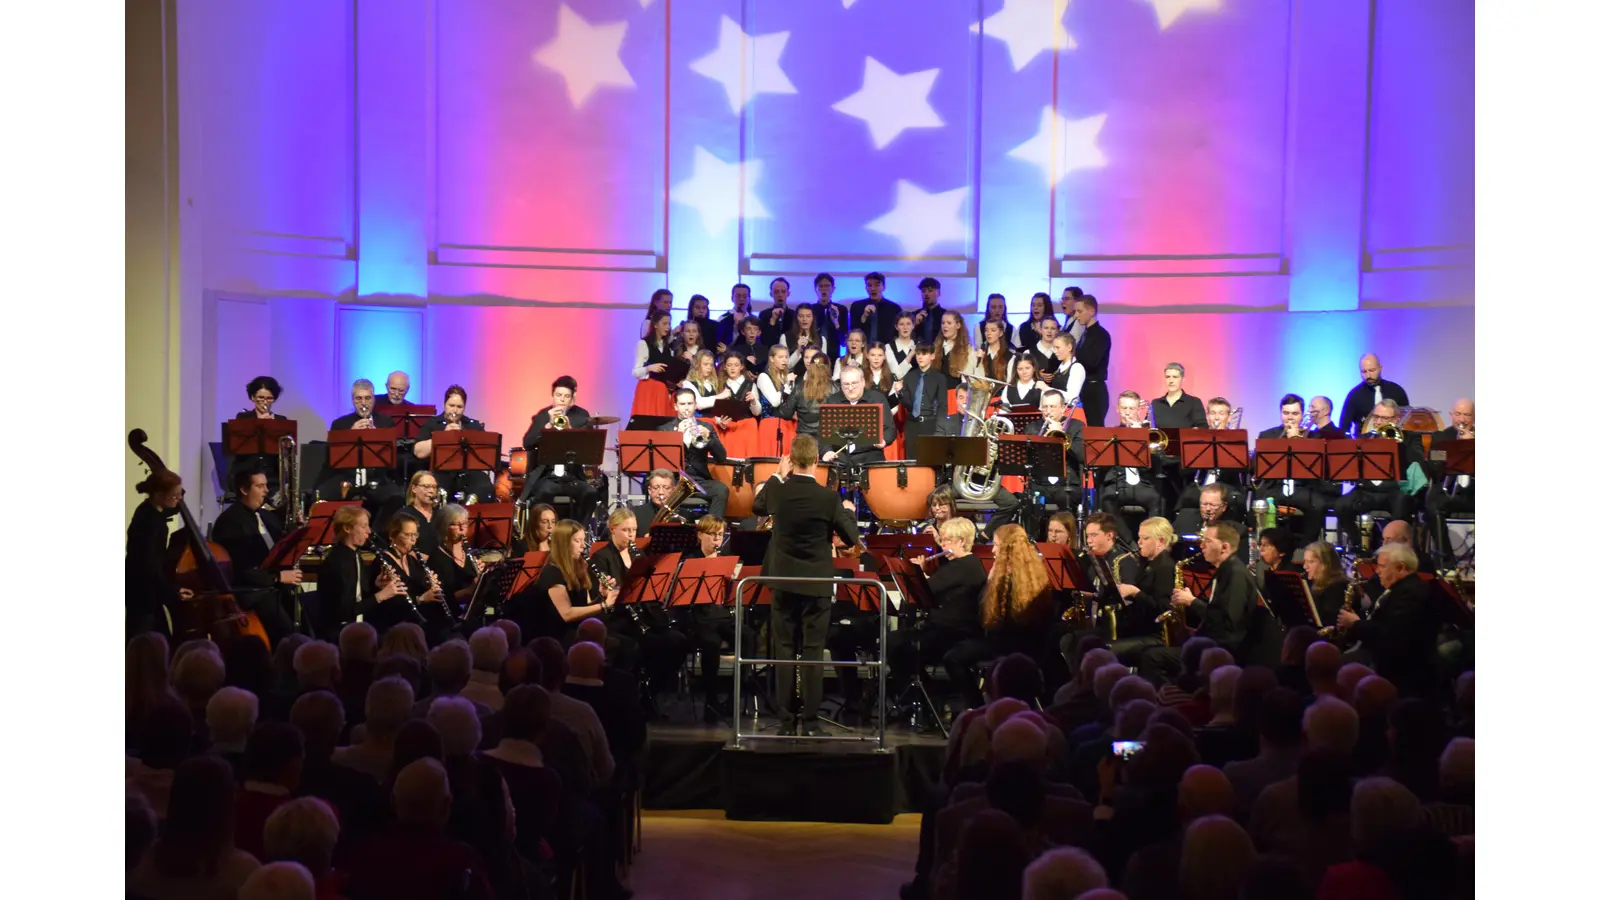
<point>536,791</point>
<point>358,661</point>
<point>1292,658</point>
<point>230,717</point>
<point>450,670</point>
<point>249,665</point>
<point>1417,736</point>
<point>488,653</point>
<point>272,762</point>
<point>1452,814</point>
<point>279,881</point>
<point>388,707</point>
<point>357,796</point>
<point>1154,870</point>
<point>1322,669</point>
<point>1064,873</point>
<point>1395,856</point>
<point>989,860</point>
<point>195,855</point>
<point>1305,817</point>
<point>1217,855</point>
<point>1278,754</point>
<point>164,736</point>
<point>575,714</point>
<point>306,830</point>
<point>195,677</point>
<point>145,678</point>
<point>416,859</point>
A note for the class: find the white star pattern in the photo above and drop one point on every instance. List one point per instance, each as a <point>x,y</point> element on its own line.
<point>848,3</point>
<point>1068,143</point>
<point>588,57</point>
<point>1168,11</point>
<point>1020,24</point>
<point>890,103</point>
<point>645,4</point>
<point>726,64</point>
<point>714,191</point>
<point>921,220</point>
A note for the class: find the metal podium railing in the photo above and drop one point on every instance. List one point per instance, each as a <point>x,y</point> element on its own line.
<point>739,661</point>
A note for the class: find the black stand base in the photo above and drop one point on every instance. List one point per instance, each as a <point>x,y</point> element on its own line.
<point>809,787</point>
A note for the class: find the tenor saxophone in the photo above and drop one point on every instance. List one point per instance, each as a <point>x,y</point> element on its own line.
<point>1116,578</point>
<point>1171,621</point>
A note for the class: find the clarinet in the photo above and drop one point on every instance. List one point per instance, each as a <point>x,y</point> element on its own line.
<point>433,579</point>
<point>400,584</point>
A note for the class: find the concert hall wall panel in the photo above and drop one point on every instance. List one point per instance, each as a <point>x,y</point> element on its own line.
<point>1260,189</point>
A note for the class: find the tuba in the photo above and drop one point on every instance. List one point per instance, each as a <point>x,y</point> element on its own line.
<point>681,492</point>
<point>981,483</point>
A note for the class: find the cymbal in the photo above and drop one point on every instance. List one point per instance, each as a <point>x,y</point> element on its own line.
<point>603,420</point>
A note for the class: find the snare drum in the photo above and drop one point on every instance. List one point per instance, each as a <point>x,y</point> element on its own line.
<point>897,490</point>
<point>767,466</point>
<point>736,476</point>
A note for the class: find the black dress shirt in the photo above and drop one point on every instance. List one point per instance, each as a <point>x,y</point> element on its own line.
<point>239,533</point>
<point>1094,351</point>
<point>728,330</point>
<point>832,321</point>
<point>957,590</point>
<point>755,355</point>
<point>1224,616</point>
<point>1188,412</point>
<point>879,326</point>
<point>695,459</point>
<point>146,584</point>
<point>772,333</point>
<point>934,392</point>
<point>1359,403</point>
<point>927,331</point>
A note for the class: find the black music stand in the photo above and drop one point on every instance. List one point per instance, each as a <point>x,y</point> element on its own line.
<point>570,447</point>
<point>672,538</point>
<point>646,423</point>
<point>489,526</point>
<point>731,407</point>
<point>493,588</point>
<point>950,450</point>
<point>750,546</point>
<point>916,603</point>
<point>1364,459</point>
<point>1031,456</point>
<point>641,452</point>
<point>1288,596</point>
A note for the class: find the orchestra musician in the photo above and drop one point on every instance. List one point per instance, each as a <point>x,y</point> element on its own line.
<point>1401,635</point>
<point>1451,494</point>
<point>148,590</point>
<point>1177,408</point>
<point>1234,483</point>
<point>349,590</point>
<point>658,487</point>
<point>1147,595</point>
<point>804,406</point>
<point>543,517</point>
<point>372,484</point>
<point>1104,568</point>
<point>778,319</point>
<point>248,532</point>
<point>1062,529</point>
<point>855,352</point>
<point>1399,532</point>
<point>1382,494</point>
<point>455,564</point>
<point>1213,510</point>
<point>941,508</point>
<point>420,599</point>
<point>876,315</point>
<point>853,391</point>
<point>903,348</point>
<point>1275,550</point>
<point>1025,389</point>
<point>806,516</point>
<point>1026,337</point>
<point>953,352</point>
<point>926,319</point>
<point>1128,485</point>
<point>660,302</point>
<point>1327,579</point>
<point>422,499</point>
<point>832,318</point>
<point>1067,490</point>
<point>1322,426</point>
<point>395,387</point>
<point>638,634</point>
<point>565,592</point>
<point>1070,295</point>
<point>263,391</point>
<point>1017,606</point>
<point>749,347</point>
<point>956,616</point>
<point>730,325</point>
<point>1309,497</point>
<point>468,484</point>
<point>545,482</point>
<point>1094,351</point>
<point>710,625</point>
<point>922,392</point>
<point>1365,397</point>
<point>1222,614</point>
<point>700,443</point>
<point>994,357</point>
<point>1069,372</point>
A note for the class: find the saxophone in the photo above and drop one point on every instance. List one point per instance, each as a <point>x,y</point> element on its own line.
<point>1335,633</point>
<point>1171,621</point>
<point>1116,579</point>
<point>981,483</point>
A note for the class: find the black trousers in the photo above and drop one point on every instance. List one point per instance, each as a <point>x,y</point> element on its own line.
<point>716,494</point>
<point>655,651</point>
<point>1441,506</point>
<point>805,617</point>
<point>1129,649</point>
<point>708,630</point>
<point>467,484</point>
<point>268,607</point>
<point>1160,664</point>
<point>1367,497</point>
<point>923,645</point>
<point>848,635</point>
<point>960,660</point>
<point>583,494</point>
<point>1118,493</point>
<point>1096,403</point>
<point>916,429</point>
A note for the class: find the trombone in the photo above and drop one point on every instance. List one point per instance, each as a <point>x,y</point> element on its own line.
<point>1157,437</point>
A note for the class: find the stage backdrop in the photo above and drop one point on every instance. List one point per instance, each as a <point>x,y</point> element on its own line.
<point>485,192</point>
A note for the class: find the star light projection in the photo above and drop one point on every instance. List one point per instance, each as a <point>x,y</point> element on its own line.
<point>726,64</point>
<point>587,57</point>
<point>1020,25</point>
<point>715,190</point>
<point>921,220</point>
<point>890,103</point>
<point>1063,145</point>
<point>1168,11</point>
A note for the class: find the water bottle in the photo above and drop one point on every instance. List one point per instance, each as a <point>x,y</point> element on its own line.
<point>1272,513</point>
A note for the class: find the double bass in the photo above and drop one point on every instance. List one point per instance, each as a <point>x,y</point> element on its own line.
<point>203,567</point>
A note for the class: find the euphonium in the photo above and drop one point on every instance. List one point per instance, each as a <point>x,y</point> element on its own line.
<point>981,483</point>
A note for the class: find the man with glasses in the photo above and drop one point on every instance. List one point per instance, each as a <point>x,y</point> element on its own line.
<point>1384,494</point>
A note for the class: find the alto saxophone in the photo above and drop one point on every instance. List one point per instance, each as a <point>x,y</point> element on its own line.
<point>1171,621</point>
<point>1116,578</point>
<point>1336,632</point>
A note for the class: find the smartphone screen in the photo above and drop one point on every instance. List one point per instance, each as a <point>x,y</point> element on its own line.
<point>1126,750</point>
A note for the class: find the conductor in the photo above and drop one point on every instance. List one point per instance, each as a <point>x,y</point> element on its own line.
<point>805,518</point>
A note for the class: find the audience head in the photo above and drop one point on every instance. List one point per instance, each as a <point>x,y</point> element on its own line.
<point>1254,684</point>
<point>990,857</point>
<point>279,881</point>
<point>1381,812</point>
<point>402,667</point>
<point>421,795</point>
<point>488,649</point>
<point>1217,855</point>
<point>593,630</point>
<point>358,642</point>
<point>1279,723</point>
<point>450,667</point>
<point>1130,688</point>
<point>1224,682</point>
<point>1456,772</point>
<point>1062,874</point>
<point>1212,659</point>
<point>145,672</point>
<point>1204,791</point>
<point>404,639</point>
<point>514,631</point>
<point>1167,754</point>
<point>316,666</point>
<point>283,659</point>
<point>200,811</point>
<point>1190,653</point>
<point>1016,675</point>
<point>521,667</point>
<point>196,676</point>
<point>1106,678</point>
<point>165,734</point>
<point>1017,740</point>
<point>196,644</point>
<point>1295,643</point>
<point>274,754</point>
<point>1331,724</point>
<point>1350,675</point>
<point>526,713</point>
<point>585,660</point>
<point>389,702</point>
<point>303,830</point>
<point>320,717</point>
<point>1374,695</point>
<point>552,663</point>
<point>230,715</point>
<point>1322,667</point>
<point>1172,718</point>
<point>456,720</point>
<point>140,828</point>
<point>1132,719</point>
<point>248,663</point>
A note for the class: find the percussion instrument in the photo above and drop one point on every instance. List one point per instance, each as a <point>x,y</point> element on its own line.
<point>897,490</point>
<point>767,466</point>
<point>739,478</point>
<point>602,421</point>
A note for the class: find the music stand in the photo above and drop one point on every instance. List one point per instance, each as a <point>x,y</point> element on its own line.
<point>703,581</point>
<point>1280,459</point>
<point>256,437</point>
<point>319,525</point>
<point>1031,455</point>
<point>1116,448</point>
<point>671,538</point>
<point>762,595</point>
<point>1289,598</point>
<point>646,423</point>
<point>529,567</point>
<point>861,596</point>
<point>489,526</point>
<point>750,546</point>
<point>732,407</point>
<point>288,549</point>
<point>641,452</point>
<point>465,451</point>
<point>1458,456</point>
<point>493,588</point>
<point>860,424</point>
<point>571,447</point>
<point>915,599</point>
<point>1202,448</point>
<point>1062,567</point>
<point>949,450</point>
<point>649,580</point>
<point>1363,459</point>
<point>411,418</point>
<point>362,448</point>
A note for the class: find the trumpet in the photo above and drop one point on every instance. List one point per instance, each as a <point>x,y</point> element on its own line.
<point>694,434</point>
<point>559,421</point>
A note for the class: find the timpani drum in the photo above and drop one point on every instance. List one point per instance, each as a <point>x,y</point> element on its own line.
<point>736,476</point>
<point>897,490</point>
<point>767,466</point>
